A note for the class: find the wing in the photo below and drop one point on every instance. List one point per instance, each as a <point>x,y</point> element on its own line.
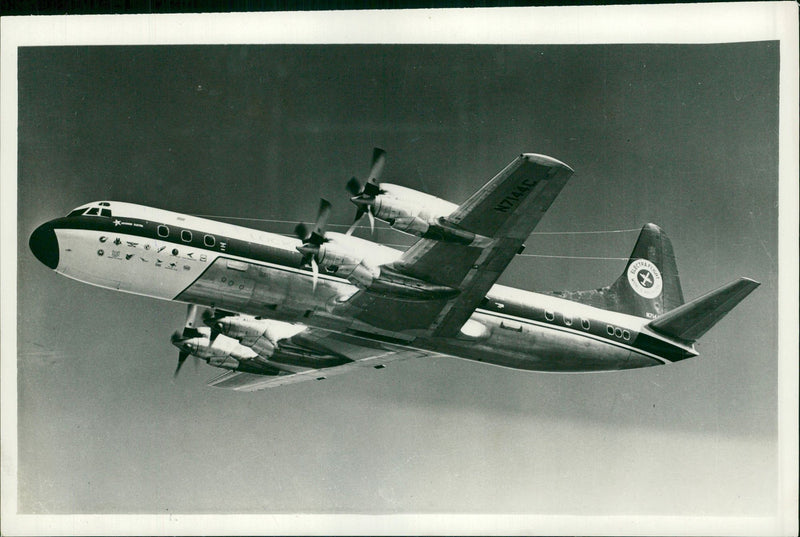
<point>506,209</point>
<point>363,354</point>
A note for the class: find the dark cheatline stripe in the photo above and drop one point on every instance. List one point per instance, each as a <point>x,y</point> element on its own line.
<point>144,228</point>
<point>661,348</point>
<point>597,328</point>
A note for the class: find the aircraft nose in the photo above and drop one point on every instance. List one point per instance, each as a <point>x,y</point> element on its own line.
<point>44,245</point>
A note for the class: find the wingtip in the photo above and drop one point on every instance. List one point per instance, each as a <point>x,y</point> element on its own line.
<point>750,282</point>
<point>545,160</point>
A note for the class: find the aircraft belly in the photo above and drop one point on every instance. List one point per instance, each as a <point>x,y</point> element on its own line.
<point>525,345</point>
<point>128,262</point>
<point>259,289</point>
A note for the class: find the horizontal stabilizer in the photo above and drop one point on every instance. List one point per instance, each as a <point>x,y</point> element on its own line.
<point>690,321</point>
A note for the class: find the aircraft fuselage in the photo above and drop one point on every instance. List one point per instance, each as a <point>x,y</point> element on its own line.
<point>171,256</point>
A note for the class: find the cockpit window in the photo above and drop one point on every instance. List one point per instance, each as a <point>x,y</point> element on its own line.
<point>94,211</point>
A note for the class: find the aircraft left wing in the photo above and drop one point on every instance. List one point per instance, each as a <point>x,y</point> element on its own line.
<point>362,353</point>
<point>506,210</point>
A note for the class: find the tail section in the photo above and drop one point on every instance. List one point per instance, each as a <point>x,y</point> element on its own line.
<point>648,287</point>
<point>690,321</point>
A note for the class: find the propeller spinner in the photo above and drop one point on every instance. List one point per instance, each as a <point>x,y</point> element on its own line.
<point>211,318</point>
<point>313,240</point>
<point>364,198</point>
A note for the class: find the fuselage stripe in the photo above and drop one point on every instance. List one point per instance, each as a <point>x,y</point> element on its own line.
<point>573,331</point>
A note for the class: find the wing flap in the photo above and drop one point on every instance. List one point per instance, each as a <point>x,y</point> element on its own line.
<point>247,382</point>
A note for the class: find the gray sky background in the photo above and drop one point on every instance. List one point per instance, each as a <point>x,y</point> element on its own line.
<point>681,135</point>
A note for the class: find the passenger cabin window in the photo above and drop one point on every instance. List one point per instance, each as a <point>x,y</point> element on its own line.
<point>163,231</point>
<point>209,241</point>
<point>186,235</point>
<point>567,320</point>
<point>549,315</point>
<point>585,324</point>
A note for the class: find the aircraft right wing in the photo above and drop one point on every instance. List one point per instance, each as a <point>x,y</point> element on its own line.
<point>506,210</point>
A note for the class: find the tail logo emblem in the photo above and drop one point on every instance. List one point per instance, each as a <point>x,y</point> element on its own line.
<point>645,278</point>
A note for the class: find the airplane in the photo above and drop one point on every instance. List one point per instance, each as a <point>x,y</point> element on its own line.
<point>280,310</point>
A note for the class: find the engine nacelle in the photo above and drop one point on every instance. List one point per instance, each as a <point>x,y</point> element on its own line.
<point>251,365</point>
<point>353,258</point>
<point>421,214</point>
<point>225,353</point>
<point>225,362</point>
<point>409,209</point>
<point>369,266</point>
<point>261,335</point>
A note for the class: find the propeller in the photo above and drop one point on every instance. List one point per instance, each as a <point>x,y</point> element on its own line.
<point>313,240</point>
<point>364,197</point>
<point>177,339</point>
<point>210,318</point>
<point>189,331</point>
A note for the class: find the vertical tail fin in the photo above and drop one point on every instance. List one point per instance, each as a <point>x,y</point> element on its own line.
<point>648,287</point>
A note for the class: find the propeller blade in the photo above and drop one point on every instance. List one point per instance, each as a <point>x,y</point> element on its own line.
<point>315,272</point>
<point>378,162</point>
<point>301,231</point>
<point>371,220</point>
<point>323,215</point>
<point>353,186</point>
<point>360,210</point>
<point>191,314</point>
<point>181,358</point>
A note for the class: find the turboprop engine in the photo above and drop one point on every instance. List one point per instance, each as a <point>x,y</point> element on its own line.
<point>407,210</point>
<point>271,340</point>
<point>260,335</point>
<point>341,254</point>
<point>364,263</point>
<point>222,352</point>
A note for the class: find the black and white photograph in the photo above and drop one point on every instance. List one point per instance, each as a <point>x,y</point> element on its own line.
<point>510,271</point>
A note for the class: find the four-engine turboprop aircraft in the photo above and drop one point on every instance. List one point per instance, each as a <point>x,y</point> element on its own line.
<point>283,310</point>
